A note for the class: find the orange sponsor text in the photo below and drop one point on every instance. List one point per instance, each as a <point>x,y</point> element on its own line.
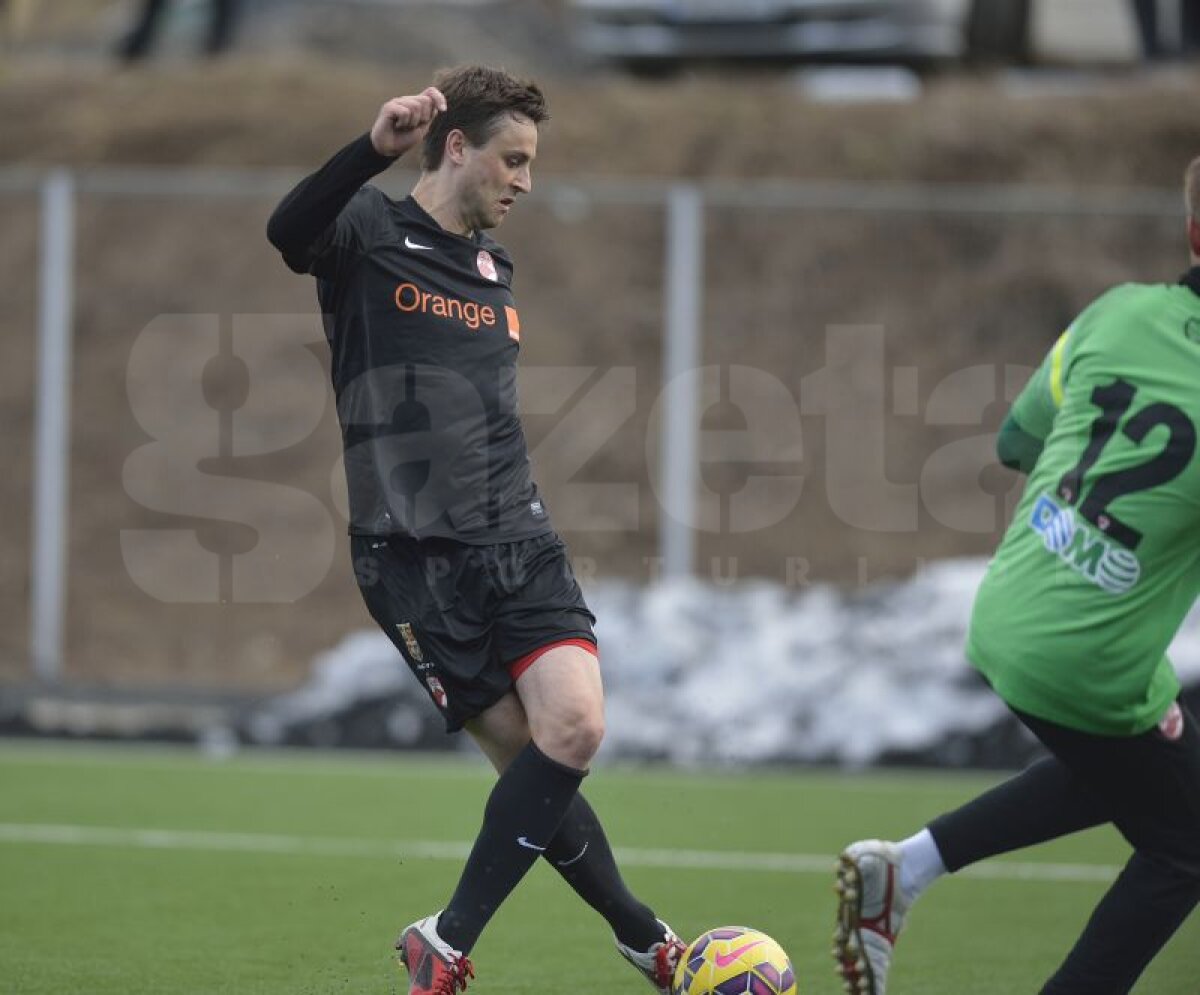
<point>410,297</point>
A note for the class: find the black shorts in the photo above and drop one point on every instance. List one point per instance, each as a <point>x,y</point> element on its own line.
<point>469,620</point>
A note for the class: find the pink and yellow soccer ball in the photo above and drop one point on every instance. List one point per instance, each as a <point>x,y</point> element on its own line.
<point>734,960</point>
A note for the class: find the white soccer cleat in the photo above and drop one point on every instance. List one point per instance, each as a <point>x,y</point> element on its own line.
<point>871,911</point>
<point>659,962</point>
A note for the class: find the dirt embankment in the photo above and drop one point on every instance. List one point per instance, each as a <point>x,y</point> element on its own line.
<point>864,355</point>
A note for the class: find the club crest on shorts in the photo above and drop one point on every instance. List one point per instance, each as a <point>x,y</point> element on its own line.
<point>437,691</point>
<point>1171,724</point>
<point>410,640</point>
<point>486,264</point>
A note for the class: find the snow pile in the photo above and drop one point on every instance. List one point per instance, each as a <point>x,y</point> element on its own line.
<point>753,673</point>
<point>757,672</point>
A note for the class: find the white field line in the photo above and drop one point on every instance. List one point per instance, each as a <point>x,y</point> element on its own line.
<point>266,843</point>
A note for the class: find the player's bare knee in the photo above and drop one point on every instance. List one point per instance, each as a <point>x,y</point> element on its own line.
<point>572,737</point>
<point>589,734</point>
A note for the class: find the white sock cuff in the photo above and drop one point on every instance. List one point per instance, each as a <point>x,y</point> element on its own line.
<point>920,864</point>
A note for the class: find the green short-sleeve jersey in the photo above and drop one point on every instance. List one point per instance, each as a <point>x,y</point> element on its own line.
<point>1102,560</point>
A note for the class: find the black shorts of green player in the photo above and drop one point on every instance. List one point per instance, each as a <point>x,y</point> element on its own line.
<point>469,620</point>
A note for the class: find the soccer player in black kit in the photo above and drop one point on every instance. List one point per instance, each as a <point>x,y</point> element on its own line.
<point>452,545</point>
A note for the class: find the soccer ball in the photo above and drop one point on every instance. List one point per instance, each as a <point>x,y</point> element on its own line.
<point>734,960</point>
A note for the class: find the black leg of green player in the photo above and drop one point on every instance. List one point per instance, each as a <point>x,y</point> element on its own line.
<point>1152,782</point>
<point>1139,914</point>
<point>1042,803</point>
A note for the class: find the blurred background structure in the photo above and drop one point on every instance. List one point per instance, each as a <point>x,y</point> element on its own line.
<point>784,266</point>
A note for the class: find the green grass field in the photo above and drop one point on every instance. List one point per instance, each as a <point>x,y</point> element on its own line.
<point>128,870</point>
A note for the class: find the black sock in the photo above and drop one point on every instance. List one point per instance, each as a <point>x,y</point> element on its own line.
<point>1043,802</point>
<point>581,854</point>
<point>521,817</point>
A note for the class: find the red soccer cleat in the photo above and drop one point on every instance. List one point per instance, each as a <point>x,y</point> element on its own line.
<point>658,963</point>
<point>434,967</point>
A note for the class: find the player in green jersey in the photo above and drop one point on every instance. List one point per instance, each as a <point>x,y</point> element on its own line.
<point>1070,627</point>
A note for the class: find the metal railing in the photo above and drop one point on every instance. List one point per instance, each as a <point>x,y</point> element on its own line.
<point>684,206</point>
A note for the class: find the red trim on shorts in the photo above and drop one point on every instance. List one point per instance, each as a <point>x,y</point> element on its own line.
<point>522,664</point>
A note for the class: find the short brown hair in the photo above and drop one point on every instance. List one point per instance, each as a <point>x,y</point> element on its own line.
<point>1191,188</point>
<point>477,97</point>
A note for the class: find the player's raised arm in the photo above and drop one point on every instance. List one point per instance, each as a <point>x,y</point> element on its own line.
<point>303,226</point>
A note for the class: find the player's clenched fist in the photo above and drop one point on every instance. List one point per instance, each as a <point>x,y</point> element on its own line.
<point>403,121</point>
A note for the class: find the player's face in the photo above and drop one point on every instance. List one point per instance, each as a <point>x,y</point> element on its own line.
<point>495,174</point>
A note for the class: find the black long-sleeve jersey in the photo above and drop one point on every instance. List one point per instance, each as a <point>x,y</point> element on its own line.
<point>424,335</point>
